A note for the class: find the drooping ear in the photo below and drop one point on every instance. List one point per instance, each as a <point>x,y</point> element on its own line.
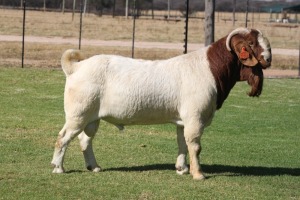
<point>243,51</point>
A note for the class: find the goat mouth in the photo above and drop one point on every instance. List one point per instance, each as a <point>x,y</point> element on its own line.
<point>264,64</point>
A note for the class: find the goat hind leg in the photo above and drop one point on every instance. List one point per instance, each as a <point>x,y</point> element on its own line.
<point>64,138</point>
<point>85,139</point>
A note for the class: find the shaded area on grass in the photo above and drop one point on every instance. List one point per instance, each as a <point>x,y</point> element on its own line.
<point>219,169</point>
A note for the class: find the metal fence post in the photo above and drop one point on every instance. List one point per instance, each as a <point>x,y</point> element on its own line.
<point>80,28</point>
<point>133,28</point>
<point>247,10</point>
<point>299,62</point>
<point>209,27</point>
<point>186,26</point>
<point>23,35</point>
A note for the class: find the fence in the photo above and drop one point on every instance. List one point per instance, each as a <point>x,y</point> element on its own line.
<point>159,33</point>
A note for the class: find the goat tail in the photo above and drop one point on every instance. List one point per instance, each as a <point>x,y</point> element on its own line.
<point>68,59</point>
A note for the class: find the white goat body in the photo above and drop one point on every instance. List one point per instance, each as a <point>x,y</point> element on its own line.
<point>185,90</point>
<point>124,91</point>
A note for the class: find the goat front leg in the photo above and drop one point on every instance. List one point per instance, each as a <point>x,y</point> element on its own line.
<point>181,166</point>
<point>192,135</point>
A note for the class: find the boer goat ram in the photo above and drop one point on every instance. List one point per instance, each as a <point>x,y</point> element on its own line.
<point>185,90</point>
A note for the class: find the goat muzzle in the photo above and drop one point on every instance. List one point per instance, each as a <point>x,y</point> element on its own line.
<point>265,63</point>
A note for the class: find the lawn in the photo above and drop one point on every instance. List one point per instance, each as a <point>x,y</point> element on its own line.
<point>251,150</point>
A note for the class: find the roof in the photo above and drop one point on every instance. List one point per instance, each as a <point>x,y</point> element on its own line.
<point>295,8</point>
<point>280,7</point>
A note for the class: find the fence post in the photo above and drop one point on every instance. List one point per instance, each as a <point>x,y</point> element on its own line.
<point>133,28</point>
<point>247,10</point>
<point>233,12</point>
<point>114,8</point>
<point>168,9</point>
<point>23,35</point>
<point>126,9</point>
<point>186,26</point>
<point>299,62</point>
<point>74,5</point>
<point>80,27</point>
<point>209,22</point>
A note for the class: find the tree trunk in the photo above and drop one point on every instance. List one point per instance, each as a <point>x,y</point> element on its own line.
<point>209,22</point>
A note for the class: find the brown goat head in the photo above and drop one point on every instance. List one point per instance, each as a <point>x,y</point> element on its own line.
<point>254,52</point>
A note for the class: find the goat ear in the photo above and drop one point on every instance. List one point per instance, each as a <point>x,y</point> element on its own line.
<point>244,52</point>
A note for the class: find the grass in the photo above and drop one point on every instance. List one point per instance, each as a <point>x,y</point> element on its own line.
<point>56,24</point>
<point>251,150</point>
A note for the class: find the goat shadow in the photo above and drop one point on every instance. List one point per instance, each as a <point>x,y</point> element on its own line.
<point>219,170</point>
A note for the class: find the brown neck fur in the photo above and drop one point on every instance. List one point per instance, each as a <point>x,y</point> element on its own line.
<point>225,68</point>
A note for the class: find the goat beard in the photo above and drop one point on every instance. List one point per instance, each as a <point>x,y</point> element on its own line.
<point>254,77</point>
<point>256,80</point>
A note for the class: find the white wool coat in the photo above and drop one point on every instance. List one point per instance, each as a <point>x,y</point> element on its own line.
<point>125,91</point>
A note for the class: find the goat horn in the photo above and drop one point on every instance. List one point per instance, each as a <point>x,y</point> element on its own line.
<point>259,31</point>
<point>235,32</point>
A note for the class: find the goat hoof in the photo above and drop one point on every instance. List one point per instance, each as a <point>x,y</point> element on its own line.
<point>58,170</point>
<point>182,171</point>
<point>95,169</point>
<point>199,177</point>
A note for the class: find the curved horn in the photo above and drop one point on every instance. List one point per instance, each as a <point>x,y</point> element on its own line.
<point>259,31</point>
<point>235,32</point>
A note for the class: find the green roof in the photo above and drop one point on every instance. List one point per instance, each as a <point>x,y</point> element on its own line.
<point>295,8</point>
<point>280,7</point>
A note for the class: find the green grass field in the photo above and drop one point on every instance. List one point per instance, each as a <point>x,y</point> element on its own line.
<point>251,150</point>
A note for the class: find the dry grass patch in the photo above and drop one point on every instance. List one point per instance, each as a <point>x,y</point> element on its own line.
<point>56,24</point>
<point>285,62</point>
<point>118,28</point>
<point>46,55</point>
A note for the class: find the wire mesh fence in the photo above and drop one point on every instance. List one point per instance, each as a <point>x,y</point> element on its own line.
<point>51,28</point>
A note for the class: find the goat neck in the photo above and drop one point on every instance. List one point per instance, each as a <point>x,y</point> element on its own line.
<point>227,69</point>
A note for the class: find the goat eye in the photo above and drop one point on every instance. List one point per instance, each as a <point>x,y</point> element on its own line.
<point>250,43</point>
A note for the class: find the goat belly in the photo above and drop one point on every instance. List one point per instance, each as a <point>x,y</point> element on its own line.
<point>136,103</point>
<point>125,91</point>
<point>155,92</point>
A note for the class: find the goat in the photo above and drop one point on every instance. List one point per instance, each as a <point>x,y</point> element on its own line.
<point>185,90</point>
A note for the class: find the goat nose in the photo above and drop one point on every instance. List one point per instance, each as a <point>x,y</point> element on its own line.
<point>268,60</point>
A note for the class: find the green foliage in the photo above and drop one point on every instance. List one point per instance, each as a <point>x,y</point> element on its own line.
<point>251,150</point>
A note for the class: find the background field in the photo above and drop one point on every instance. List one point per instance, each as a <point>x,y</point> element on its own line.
<point>55,24</point>
<point>251,150</point>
